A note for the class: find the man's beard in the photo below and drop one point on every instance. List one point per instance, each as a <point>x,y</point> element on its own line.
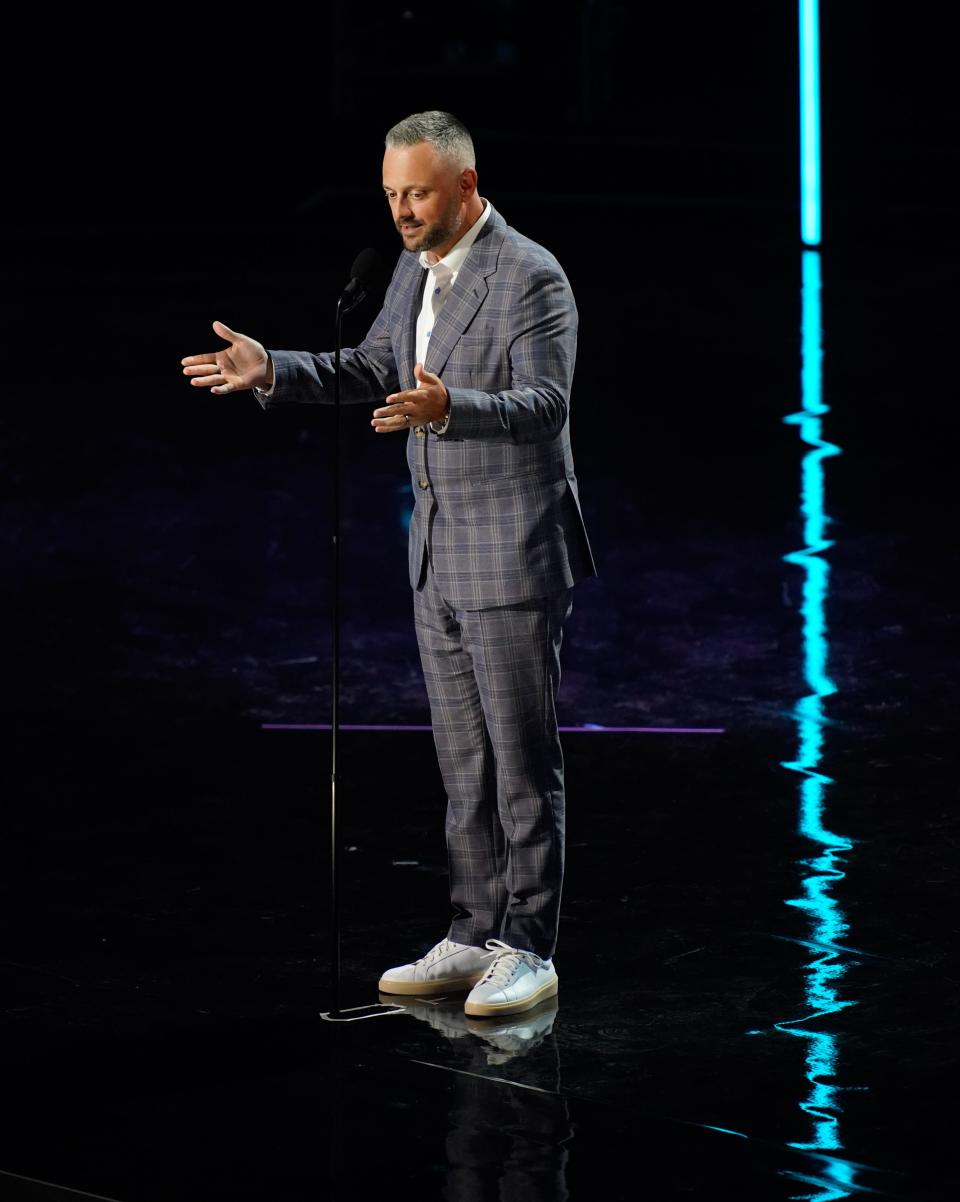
<point>440,232</point>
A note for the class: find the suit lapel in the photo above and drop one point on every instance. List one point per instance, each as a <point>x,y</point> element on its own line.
<point>405,348</point>
<point>467,296</point>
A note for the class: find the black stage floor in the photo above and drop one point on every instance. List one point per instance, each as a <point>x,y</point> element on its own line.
<point>757,955</point>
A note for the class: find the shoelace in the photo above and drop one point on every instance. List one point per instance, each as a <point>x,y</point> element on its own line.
<point>506,961</point>
<point>436,952</point>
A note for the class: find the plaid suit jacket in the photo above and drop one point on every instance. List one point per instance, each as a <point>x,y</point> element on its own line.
<point>496,506</point>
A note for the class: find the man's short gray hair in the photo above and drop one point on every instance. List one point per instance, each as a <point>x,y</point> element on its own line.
<point>450,136</point>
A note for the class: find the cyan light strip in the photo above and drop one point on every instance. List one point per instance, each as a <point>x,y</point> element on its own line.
<point>820,871</point>
<point>810,211</point>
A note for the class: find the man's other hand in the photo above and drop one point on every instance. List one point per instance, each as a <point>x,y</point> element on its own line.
<point>244,364</point>
<point>428,402</point>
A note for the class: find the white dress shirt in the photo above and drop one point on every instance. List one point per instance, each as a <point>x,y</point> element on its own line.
<point>442,275</point>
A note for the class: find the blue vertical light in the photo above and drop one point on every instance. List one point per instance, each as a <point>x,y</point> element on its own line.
<point>810,214</point>
<point>825,866</point>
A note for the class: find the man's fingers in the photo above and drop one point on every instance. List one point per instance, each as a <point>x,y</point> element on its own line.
<point>413,407</point>
<point>210,370</point>
<point>426,376</point>
<point>225,332</point>
<point>205,374</point>
<point>414,395</point>
<point>390,419</point>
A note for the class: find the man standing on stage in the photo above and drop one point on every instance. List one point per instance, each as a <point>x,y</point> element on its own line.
<point>474,352</point>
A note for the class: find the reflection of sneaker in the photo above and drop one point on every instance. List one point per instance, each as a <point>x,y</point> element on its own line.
<point>517,980</point>
<point>446,1017</point>
<point>512,1037</point>
<point>446,968</point>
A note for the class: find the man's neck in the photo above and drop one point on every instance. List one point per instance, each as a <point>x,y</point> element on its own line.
<point>473,214</point>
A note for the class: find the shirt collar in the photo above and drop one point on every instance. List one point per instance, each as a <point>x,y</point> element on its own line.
<point>453,259</point>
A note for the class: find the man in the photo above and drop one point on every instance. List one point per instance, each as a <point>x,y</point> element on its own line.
<point>474,348</point>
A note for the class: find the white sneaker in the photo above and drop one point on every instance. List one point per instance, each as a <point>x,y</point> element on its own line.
<point>445,968</point>
<point>516,981</point>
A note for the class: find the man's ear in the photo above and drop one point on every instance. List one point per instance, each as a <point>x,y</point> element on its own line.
<point>468,181</point>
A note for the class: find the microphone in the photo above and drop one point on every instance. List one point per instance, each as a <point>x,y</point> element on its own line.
<point>366,267</point>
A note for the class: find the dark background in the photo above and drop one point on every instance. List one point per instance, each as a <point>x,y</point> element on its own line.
<point>167,587</point>
<point>170,171</point>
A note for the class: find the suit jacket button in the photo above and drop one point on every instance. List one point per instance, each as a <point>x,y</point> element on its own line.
<point>424,483</point>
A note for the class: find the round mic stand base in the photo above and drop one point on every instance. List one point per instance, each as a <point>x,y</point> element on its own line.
<point>354,1014</point>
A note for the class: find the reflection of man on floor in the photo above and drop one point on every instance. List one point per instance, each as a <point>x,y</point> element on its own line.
<point>510,1127</point>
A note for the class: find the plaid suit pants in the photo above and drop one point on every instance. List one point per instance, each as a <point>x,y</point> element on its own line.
<point>492,677</point>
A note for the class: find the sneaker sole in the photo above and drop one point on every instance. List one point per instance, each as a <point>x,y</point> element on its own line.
<point>428,988</point>
<point>484,1010</point>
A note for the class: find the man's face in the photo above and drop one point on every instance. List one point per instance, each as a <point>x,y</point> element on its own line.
<point>426,196</point>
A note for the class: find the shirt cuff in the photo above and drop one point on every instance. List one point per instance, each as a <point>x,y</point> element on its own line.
<point>441,427</point>
<point>267,392</point>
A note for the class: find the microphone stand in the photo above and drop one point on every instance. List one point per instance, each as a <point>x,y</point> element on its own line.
<point>352,295</point>
<point>335,667</point>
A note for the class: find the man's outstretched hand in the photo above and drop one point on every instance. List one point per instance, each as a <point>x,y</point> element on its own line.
<point>243,364</point>
<point>428,402</point>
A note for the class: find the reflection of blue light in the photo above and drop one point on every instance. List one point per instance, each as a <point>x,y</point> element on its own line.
<point>825,867</point>
<point>837,1179</point>
<point>828,1192</point>
<point>724,1130</point>
<point>810,122</point>
<point>406,513</point>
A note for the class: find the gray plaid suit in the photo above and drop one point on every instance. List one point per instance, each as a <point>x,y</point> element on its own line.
<point>496,543</point>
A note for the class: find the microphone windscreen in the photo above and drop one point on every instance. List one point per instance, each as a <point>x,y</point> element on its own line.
<point>366,266</point>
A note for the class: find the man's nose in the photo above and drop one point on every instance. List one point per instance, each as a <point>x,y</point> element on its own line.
<point>403,208</point>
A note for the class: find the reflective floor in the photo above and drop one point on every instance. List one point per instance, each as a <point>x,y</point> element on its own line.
<point>757,958</point>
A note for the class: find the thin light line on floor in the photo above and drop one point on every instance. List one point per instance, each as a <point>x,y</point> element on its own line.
<point>587,729</point>
<point>77,1193</point>
<point>553,1093</point>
